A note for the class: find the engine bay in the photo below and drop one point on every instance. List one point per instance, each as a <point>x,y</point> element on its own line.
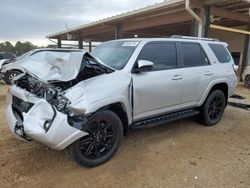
<point>53,91</point>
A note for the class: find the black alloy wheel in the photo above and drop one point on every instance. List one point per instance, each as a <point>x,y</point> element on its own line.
<point>105,133</point>
<point>213,108</point>
<point>99,141</point>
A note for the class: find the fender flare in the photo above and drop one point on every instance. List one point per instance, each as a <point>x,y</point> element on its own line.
<point>93,107</point>
<point>210,86</point>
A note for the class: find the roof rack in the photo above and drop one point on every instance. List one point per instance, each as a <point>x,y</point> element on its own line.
<point>193,38</point>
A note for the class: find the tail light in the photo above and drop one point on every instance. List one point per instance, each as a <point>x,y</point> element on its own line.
<point>235,68</point>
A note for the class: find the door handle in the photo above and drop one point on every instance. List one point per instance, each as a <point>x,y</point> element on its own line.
<point>177,77</point>
<point>209,73</point>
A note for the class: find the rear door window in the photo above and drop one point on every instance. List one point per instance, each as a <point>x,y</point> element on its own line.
<point>221,53</point>
<point>193,55</point>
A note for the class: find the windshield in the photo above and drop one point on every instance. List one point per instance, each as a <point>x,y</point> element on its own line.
<point>115,54</point>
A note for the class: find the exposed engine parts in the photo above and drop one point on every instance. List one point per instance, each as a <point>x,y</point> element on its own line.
<point>53,93</point>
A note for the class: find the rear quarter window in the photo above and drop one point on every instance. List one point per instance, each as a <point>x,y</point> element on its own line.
<point>221,53</point>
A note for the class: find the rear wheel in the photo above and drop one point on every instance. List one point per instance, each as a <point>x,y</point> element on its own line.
<point>247,81</point>
<point>105,133</point>
<point>213,108</point>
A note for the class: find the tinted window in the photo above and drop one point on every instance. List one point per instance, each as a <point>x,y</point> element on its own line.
<point>8,56</point>
<point>221,53</point>
<point>163,55</point>
<point>193,55</point>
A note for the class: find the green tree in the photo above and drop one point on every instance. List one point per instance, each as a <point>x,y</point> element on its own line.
<point>22,48</point>
<point>7,47</point>
<point>19,48</point>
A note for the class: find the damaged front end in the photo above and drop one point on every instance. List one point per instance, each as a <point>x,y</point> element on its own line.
<point>41,100</point>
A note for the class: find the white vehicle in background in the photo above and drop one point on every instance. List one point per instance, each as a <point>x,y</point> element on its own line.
<point>246,77</point>
<point>10,68</point>
<point>5,59</point>
<point>86,102</point>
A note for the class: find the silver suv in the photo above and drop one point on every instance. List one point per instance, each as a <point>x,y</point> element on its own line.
<point>87,102</point>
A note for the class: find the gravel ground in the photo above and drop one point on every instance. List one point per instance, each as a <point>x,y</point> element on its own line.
<point>179,154</point>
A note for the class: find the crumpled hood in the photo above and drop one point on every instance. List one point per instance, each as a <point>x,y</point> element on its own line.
<point>53,65</point>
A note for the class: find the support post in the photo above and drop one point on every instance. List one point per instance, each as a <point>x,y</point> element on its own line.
<point>207,21</point>
<point>195,30</point>
<point>246,54</point>
<point>59,43</point>
<point>118,31</point>
<point>90,46</point>
<point>80,44</point>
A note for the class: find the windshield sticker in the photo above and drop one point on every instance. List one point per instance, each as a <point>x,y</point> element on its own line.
<point>130,44</point>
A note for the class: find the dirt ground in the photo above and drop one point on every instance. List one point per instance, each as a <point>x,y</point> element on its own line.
<point>179,154</point>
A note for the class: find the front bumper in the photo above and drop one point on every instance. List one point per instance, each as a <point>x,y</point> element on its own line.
<point>30,124</point>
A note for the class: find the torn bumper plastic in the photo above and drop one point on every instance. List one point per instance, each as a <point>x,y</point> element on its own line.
<point>31,123</point>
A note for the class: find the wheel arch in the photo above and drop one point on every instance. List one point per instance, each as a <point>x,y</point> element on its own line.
<point>223,86</point>
<point>121,110</point>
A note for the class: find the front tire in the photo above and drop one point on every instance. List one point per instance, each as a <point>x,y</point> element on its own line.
<point>213,108</point>
<point>10,75</point>
<point>247,81</point>
<point>105,134</point>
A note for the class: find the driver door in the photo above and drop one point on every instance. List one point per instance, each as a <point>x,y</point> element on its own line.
<point>157,91</point>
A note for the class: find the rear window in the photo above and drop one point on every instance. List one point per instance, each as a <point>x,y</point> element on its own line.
<point>221,53</point>
<point>7,56</point>
<point>193,55</point>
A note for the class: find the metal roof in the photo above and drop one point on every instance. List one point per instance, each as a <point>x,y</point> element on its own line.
<point>172,12</point>
<point>123,15</point>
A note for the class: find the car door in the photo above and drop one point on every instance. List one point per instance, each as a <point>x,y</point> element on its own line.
<point>159,90</point>
<point>196,71</point>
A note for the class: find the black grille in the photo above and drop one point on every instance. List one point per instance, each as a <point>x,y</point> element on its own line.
<point>20,105</point>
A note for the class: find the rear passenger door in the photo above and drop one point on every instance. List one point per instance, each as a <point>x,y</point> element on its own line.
<point>197,72</point>
<point>159,90</point>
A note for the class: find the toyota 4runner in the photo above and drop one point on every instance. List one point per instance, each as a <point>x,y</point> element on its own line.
<point>85,102</point>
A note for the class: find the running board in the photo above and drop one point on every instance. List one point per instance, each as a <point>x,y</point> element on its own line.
<point>165,118</point>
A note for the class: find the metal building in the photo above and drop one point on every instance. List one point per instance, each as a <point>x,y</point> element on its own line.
<point>227,20</point>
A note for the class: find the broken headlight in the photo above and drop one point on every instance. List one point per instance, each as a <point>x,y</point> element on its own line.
<point>55,98</point>
<point>63,103</point>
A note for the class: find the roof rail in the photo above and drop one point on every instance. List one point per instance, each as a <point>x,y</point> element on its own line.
<point>192,38</point>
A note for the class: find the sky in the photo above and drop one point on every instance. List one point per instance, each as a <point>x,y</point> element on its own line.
<point>33,20</point>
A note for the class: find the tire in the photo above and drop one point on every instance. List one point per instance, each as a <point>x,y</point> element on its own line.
<point>105,134</point>
<point>247,81</point>
<point>213,108</point>
<point>10,75</point>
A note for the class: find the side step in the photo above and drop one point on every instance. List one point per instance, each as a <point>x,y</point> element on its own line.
<point>165,118</point>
